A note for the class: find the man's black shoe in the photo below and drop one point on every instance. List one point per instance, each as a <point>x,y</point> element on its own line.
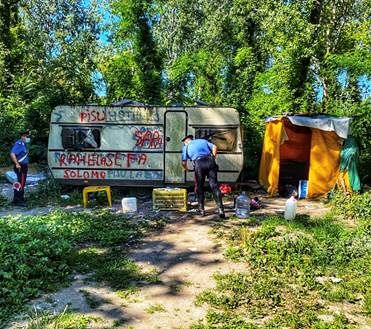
<point>201,212</point>
<point>221,214</point>
<point>19,204</point>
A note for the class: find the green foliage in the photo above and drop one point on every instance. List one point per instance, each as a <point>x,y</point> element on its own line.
<point>135,70</point>
<point>3,202</point>
<point>38,253</point>
<point>261,56</point>
<point>291,266</point>
<point>353,207</point>
<point>47,58</point>
<point>306,246</point>
<point>64,320</point>
<point>33,258</point>
<point>49,192</point>
<point>155,308</point>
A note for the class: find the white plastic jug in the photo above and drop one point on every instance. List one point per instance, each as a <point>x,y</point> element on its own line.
<point>290,208</point>
<point>129,205</point>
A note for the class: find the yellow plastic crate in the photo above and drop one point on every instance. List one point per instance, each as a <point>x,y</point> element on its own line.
<point>169,199</point>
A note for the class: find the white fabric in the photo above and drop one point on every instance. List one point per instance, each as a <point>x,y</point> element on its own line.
<point>340,125</point>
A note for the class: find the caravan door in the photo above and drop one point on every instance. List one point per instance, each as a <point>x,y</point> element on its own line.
<point>175,130</point>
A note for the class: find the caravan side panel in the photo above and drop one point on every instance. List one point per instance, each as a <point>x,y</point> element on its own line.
<point>138,145</point>
<point>115,146</point>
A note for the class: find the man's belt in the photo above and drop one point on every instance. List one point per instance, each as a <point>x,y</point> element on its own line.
<point>203,157</point>
<point>23,158</point>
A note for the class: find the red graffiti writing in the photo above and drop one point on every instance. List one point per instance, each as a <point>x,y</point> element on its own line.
<point>108,160</point>
<point>84,174</point>
<point>90,159</point>
<point>119,115</point>
<point>148,139</point>
<point>92,116</point>
<point>141,159</point>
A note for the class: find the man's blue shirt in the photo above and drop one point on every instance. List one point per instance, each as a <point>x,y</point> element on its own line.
<point>20,150</point>
<point>196,148</point>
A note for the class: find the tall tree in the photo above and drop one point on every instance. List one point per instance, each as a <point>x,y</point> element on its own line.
<point>53,47</point>
<point>9,20</point>
<point>134,70</point>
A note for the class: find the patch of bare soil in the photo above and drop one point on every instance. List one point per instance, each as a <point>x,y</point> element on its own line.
<point>185,258</point>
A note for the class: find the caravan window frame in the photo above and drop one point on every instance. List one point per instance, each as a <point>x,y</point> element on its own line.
<point>77,143</point>
<point>204,131</point>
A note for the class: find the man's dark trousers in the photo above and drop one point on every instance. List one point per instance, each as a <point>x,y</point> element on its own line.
<point>207,167</point>
<point>21,177</point>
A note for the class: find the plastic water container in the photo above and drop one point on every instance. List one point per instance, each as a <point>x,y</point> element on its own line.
<point>242,205</point>
<point>303,189</point>
<point>129,205</point>
<point>290,208</point>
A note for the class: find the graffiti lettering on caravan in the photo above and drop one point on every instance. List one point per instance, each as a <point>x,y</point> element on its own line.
<point>148,138</point>
<point>96,160</point>
<point>132,174</point>
<point>84,174</point>
<point>119,115</point>
<point>111,174</point>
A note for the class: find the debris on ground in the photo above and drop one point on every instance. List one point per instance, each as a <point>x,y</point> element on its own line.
<point>32,178</point>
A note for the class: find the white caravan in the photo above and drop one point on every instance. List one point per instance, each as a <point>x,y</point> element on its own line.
<point>138,145</point>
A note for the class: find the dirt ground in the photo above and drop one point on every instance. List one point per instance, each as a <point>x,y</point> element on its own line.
<point>185,257</point>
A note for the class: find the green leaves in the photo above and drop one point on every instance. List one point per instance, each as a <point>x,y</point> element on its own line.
<point>47,57</point>
<point>38,253</point>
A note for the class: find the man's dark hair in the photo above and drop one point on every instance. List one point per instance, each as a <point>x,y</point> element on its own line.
<point>24,133</point>
<point>188,136</point>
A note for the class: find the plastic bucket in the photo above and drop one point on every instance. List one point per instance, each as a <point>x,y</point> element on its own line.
<point>129,205</point>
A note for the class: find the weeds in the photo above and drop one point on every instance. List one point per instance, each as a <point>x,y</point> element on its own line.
<point>4,203</point>
<point>355,206</point>
<point>49,192</point>
<point>64,320</point>
<point>295,268</point>
<point>155,308</point>
<point>38,253</point>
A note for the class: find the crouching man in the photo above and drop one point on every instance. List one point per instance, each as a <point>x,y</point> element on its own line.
<point>203,154</point>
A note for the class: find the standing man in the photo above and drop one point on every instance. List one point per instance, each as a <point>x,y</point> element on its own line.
<point>203,154</point>
<point>19,156</point>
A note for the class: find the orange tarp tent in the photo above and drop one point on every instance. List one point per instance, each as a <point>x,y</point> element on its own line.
<point>302,148</point>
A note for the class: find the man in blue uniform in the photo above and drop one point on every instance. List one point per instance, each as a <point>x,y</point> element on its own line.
<point>203,154</point>
<point>19,156</point>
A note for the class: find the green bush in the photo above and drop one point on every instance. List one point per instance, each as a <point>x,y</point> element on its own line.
<point>32,257</point>
<point>302,244</point>
<point>39,252</point>
<point>291,266</point>
<point>48,192</point>
<point>355,206</point>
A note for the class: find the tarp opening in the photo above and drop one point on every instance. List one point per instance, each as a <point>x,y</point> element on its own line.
<point>303,148</point>
<point>294,156</point>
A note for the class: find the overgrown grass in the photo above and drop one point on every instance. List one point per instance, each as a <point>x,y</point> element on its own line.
<point>49,192</point>
<point>4,203</point>
<point>64,320</point>
<point>38,253</point>
<point>296,269</point>
<point>355,206</point>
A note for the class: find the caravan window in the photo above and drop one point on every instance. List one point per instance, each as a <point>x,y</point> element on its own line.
<point>77,138</point>
<point>224,138</point>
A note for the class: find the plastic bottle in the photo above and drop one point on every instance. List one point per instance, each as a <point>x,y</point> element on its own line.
<point>290,208</point>
<point>242,205</point>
